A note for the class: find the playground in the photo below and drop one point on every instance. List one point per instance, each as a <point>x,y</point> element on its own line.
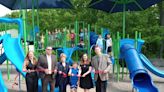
<point>132,69</point>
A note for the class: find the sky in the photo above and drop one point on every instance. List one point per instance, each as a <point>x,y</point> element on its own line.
<point>4,10</point>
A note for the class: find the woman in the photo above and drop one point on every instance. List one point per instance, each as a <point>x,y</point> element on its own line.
<point>85,79</point>
<point>30,64</point>
<point>63,69</point>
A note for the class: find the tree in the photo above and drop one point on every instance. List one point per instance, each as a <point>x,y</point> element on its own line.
<point>161,9</point>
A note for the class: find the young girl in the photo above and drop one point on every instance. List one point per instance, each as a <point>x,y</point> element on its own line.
<point>74,77</point>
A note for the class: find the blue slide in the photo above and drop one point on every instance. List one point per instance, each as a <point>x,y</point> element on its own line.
<point>3,88</point>
<point>68,52</point>
<point>14,52</point>
<point>2,58</point>
<point>141,80</point>
<point>151,67</point>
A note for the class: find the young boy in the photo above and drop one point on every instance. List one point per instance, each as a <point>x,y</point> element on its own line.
<point>74,77</point>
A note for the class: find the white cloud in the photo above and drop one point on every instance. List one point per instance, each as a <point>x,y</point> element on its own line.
<point>4,10</point>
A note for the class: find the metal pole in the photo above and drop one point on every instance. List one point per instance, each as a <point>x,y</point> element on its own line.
<point>46,39</point>
<point>19,82</point>
<point>24,28</point>
<point>33,21</point>
<point>127,35</point>
<point>117,58</point>
<point>113,49</point>
<point>8,70</point>
<point>88,49</point>
<point>139,35</point>
<point>124,19</point>
<point>76,37</point>
<point>136,39</point>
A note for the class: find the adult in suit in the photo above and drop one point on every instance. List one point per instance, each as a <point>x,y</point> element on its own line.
<point>47,65</point>
<point>101,63</point>
<point>29,66</point>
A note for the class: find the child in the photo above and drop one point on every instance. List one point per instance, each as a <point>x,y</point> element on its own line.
<point>72,37</point>
<point>74,74</point>
<point>99,42</point>
<point>109,45</point>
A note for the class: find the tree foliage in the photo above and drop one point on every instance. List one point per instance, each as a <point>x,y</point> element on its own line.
<point>147,22</point>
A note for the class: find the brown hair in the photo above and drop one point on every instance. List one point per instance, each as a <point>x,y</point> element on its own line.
<point>82,60</point>
<point>27,59</point>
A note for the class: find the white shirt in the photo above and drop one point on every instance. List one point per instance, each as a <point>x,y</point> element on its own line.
<point>99,42</point>
<point>109,42</point>
<point>64,64</point>
<point>49,60</point>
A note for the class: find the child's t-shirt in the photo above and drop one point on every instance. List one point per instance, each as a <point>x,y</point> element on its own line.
<point>74,79</point>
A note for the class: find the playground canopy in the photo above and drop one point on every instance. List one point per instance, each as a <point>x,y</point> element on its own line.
<point>41,4</point>
<point>112,6</point>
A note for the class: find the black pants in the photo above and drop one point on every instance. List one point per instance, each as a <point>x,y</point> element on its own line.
<point>101,85</point>
<point>48,80</point>
<point>32,82</point>
<point>63,84</point>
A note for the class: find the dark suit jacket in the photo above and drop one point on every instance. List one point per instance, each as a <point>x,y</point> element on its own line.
<point>61,79</point>
<point>43,64</point>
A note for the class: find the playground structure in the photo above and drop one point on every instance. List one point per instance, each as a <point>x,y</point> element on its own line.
<point>127,49</point>
<point>135,64</point>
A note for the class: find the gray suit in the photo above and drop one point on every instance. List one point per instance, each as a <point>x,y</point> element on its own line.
<point>101,63</point>
<point>43,64</point>
<point>47,78</point>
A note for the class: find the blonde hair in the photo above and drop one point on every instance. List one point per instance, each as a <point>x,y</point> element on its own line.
<point>27,58</point>
<point>63,55</point>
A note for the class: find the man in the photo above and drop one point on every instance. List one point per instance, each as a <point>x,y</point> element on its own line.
<point>101,64</point>
<point>47,65</point>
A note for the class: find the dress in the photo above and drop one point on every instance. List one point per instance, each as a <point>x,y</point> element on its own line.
<point>86,82</point>
<point>31,79</point>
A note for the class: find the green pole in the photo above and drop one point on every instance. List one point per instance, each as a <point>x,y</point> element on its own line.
<point>46,39</point>
<point>65,37</point>
<point>24,30</point>
<point>33,21</point>
<point>113,49</point>
<point>136,38</point>
<point>125,63</point>
<point>75,28</point>
<point>117,58</point>
<point>37,12</point>
<point>8,70</point>
<point>76,37</point>
<point>139,35</point>
<point>127,35</point>
<point>124,19</point>
<point>88,49</point>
